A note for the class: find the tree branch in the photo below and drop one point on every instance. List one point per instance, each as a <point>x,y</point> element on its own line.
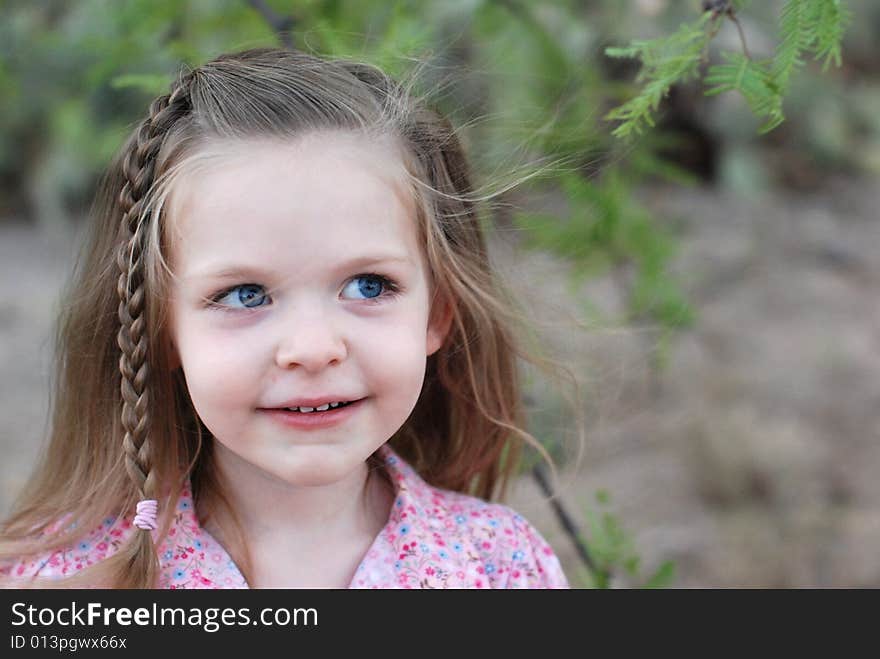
<point>282,25</point>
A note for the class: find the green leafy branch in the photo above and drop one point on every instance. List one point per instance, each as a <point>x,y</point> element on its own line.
<point>614,553</point>
<point>666,61</point>
<point>806,27</point>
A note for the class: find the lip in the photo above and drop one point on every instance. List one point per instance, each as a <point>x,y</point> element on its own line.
<point>313,420</point>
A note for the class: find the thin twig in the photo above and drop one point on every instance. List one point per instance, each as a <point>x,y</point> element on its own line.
<point>568,524</point>
<point>723,8</point>
<point>742,35</point>
<point>281,24</point>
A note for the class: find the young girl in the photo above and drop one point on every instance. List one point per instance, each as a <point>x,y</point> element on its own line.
<point>284,359</point>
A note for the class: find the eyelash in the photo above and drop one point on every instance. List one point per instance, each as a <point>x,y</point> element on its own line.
<point>390,289</point>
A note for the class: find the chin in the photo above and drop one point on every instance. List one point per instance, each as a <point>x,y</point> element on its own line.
<point>317,471</point>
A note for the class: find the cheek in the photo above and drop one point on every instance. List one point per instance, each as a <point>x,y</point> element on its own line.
<point>217,370</point>
<point>395,357</point>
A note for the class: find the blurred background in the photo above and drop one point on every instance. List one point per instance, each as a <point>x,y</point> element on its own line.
<point>712,288</point>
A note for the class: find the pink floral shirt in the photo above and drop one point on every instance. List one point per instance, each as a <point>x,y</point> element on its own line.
<point>433,539</point>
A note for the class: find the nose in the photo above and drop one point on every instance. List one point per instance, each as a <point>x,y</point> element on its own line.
<point>311,342</point>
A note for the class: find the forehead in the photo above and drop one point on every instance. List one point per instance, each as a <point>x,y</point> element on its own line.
<point>265,202</point>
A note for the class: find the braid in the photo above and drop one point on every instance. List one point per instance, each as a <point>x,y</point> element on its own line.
<point>138,170</point>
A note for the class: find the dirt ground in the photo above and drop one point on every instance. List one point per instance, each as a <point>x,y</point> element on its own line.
<point>749,460</point>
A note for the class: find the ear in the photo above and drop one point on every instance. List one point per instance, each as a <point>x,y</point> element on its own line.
<point>439,323</point>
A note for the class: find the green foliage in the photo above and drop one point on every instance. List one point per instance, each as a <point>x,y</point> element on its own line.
<point>813,27</point>
<point>153,84</point>
<point>806,26</point>
<point>665,62</point>
<point>817,27</point>
<point>399,35</point>
<point>754,80</point>
<point>613,552</point>
<point>606,229</point>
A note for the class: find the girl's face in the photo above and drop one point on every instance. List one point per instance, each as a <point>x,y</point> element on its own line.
<point>301,282</point>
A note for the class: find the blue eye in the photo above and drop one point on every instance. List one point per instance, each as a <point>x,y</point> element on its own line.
<point>367,287</point>
<point>248,295</point>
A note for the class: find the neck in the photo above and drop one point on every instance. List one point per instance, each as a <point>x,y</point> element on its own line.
<point>273,511</point>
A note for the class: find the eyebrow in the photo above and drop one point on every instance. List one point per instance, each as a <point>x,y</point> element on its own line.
<point>244,271</point>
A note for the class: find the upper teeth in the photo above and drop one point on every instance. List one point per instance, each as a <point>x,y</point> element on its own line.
<point>321,408</point>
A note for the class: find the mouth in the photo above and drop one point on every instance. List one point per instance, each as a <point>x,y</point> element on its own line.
<point>321,408</point>
<point>314,417</point>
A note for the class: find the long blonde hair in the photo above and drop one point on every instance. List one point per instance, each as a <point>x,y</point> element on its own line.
<point>123,426</point>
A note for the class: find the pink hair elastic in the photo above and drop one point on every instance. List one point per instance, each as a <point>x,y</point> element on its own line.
<point>146,514</point>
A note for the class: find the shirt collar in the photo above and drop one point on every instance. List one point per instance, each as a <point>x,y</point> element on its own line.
<point>191,558</point>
